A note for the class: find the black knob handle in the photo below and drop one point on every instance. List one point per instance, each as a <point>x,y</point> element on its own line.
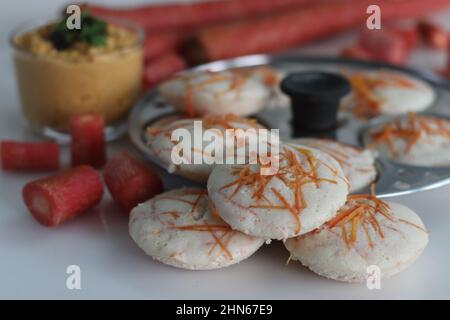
<point>315,98</point>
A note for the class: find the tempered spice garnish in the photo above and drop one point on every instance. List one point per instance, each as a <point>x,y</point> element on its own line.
<point>93,32</point>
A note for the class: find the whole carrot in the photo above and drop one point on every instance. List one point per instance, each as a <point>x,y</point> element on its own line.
<point>158,44</point>
<point>162,68</point>
<point>296,27</point>
<point>194,15</point>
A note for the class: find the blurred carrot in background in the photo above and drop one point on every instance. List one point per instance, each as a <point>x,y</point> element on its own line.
<point>161,69</point>
<point>158,44</point>
<point>214,30</point>
<point>297,27</point>
<point>199,14</point>
<point>433,35</point>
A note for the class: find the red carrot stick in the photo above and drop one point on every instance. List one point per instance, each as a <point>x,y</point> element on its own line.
<point>159,44</point>
<point>162,68</point>
<point>357,52</point>
<point>385,46</point>
<point>448,60</point>
<point>390,44</point>
<point>299,26</point>
<point>194,15</point>
<point>433,35</point>
<point>409,35</point>
<point>55,199</point>
<point>130,181</point>
<point>27,156</point>
<point>88,140</point>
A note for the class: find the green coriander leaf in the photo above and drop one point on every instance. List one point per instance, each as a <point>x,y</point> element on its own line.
<point>93,32</point>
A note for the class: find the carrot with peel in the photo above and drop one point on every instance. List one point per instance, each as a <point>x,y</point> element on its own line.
<point>282,31</point>
<point>199,14</point>
<point>162,68</point>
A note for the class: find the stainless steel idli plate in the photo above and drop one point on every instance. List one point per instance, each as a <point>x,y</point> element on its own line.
<point>393,179</point>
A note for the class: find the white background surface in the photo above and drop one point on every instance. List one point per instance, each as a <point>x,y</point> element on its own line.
<point>33,259</point>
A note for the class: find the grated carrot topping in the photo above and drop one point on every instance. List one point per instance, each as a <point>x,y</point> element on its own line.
<point>413,225</point>
<point>190,88</point>
<point>222,229</point>
<point>354,229</point>
<point>222,246</point>
<point>292,173</point>
<point>268,206</point>
<point>366,231</point>
<point>410,132</point>
<point>228,121</point>
<point>354,214</point>
<point>291,210</point>
<point>344,235</point>
<point>270,76</point>
<point>361,211</point>
<point>376,226</point>
<point>363,85</point>
<point>196,202</point>
<point>215,213</point>
<point>203,227</point>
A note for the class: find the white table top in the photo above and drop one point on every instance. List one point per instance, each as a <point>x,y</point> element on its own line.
<point>33,259</point>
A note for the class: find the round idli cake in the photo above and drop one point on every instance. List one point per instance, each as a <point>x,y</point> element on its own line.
<point>215,93</point>
<point>386,93</point>
<point>181,228</point>
<point>414,140</point>
<point>305,189</point>
<point>358,164</point>
<point>269,77</point>
<point>159,134</point>
<point>263,74</point>
<point>366,232</point>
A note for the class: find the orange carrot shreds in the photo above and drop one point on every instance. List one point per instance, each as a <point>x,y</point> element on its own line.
<point>334,149</point>
<point>354,229</point>
<point>294,213</point>
<point>212,229</point>
<point>345,216</point>
<point>222,246</point>
<point>361,211</point>
<point>344,235</point>
<point>269,76</point>
<point>229,121</point>
<point>167,125</point>
<point>215,213</point>
<point>366,231</point>
<point>363,85</point>
<point>353,215</point>
<point>410,131</point>
<point>203,227</point>
<point>197,82</point>
<point>195,204</point>
<point>298,167</point>
<point>153,131</point>
<point>221,233</point>
<point>413,225</point>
